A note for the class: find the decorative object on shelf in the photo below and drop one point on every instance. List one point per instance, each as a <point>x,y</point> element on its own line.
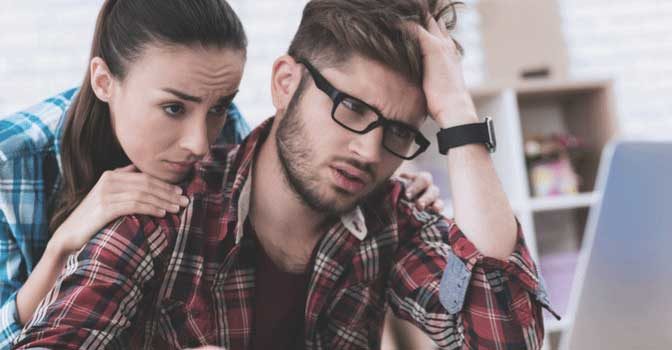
<point>549,162</point>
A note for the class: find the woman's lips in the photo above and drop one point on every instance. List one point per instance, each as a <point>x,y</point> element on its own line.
<point>180,166</point>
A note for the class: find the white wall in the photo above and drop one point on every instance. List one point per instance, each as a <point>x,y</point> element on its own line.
<point>44,47</point>
<point>631,41</point>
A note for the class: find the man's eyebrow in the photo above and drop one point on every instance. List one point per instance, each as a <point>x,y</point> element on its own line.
<point>183,95</point>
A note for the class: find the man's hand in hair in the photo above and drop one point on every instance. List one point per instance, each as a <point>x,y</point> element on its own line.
<point>448,100</point>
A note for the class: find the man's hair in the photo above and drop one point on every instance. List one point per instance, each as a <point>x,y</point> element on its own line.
<point>331,31</point>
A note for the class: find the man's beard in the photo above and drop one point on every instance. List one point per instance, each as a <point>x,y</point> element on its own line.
<point>296,155</point>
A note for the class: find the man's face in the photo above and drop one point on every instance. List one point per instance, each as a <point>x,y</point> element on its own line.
<point>329,167</point>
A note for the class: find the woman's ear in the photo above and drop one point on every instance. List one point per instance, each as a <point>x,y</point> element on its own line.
<point>101,79</point>
<point>284,81</point>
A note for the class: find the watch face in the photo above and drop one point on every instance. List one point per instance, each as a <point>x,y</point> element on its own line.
<point>492,143</point>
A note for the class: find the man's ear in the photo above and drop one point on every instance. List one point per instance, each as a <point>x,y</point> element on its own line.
<point>102,80</point>
<point>284,81</point>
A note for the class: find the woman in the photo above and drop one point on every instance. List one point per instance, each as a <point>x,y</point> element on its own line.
<point>161,78</point>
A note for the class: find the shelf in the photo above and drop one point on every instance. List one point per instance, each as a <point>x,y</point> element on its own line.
<point>543,87</point>
<point>449,212</point>
<point>559,87</point>
<point>581,200</point>
<point>553,225</point>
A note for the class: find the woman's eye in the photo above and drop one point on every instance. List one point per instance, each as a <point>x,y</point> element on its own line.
<point>219,111</point>
<point>173,110</point>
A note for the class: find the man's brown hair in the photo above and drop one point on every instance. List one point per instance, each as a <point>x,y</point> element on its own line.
<point>331,31</point>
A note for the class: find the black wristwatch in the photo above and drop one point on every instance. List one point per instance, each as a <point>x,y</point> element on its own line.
<point>466,134</point>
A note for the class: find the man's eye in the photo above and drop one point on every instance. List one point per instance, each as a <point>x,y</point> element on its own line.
<point>354,106</point>
<point>401,132</point>
<point>173,110</point>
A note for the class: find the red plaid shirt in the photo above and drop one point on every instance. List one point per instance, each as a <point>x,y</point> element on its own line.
<point>188,280</point>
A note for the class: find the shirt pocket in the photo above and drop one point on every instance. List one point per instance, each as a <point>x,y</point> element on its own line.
<point>184,327</point>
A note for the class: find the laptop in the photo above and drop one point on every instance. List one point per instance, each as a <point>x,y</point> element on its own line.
<point>623,294</point>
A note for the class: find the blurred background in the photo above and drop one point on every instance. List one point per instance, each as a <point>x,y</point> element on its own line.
<point>44,47</point>
<point>560,78</point>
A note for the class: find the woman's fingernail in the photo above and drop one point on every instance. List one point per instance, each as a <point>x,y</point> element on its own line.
<point>184,201</point>
<point>178,190</point>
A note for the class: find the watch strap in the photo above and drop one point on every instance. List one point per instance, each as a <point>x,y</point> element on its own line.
<point>462,135</point>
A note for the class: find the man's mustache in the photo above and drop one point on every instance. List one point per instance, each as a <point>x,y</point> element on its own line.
<point>364,167</point>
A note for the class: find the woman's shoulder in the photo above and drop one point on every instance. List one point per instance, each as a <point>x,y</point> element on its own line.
<point>36,129</point>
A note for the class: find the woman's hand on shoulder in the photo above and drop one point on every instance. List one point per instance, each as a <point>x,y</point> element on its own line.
<point>423,191</point>
<point>119,192</point>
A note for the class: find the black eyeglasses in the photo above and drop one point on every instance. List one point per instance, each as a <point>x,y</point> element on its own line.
<point>355,115</point>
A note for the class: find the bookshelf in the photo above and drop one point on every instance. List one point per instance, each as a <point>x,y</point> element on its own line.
<point>553,225</point>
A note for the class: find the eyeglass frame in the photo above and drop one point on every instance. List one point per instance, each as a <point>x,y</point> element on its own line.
<point>338,96</point>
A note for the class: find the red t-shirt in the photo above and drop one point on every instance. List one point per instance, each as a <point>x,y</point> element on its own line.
<point>279,304</point>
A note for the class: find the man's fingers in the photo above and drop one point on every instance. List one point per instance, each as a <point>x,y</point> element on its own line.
<point>434,27</point>
<point>438,35</point>
<point>425,38</point>
<point>444,29</point>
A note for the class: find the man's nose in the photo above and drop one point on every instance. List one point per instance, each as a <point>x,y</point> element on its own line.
<point>369,146</point>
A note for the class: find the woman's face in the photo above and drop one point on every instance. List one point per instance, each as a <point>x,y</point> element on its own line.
<point>172,104</point>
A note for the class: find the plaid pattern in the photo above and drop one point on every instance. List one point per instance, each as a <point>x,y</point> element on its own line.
<point>188,279</point>
<point>29,178</point>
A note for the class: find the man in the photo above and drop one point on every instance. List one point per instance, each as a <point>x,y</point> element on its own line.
<point>298,238</point>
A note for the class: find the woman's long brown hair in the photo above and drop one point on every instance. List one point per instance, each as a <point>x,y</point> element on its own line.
<point>123,30</point>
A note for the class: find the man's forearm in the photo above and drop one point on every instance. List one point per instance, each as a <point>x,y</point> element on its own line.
<point>481,208</point>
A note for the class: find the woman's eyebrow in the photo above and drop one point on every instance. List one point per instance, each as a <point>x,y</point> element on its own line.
<point>187,97</point>
<point>182,95</point>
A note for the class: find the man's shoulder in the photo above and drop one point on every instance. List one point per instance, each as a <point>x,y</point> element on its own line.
<point>137,232</point>
<point>34,130</point>
<point>391,201</point>
<point>213,171</point>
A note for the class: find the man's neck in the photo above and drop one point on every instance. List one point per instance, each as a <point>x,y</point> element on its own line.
<point>283,223</point>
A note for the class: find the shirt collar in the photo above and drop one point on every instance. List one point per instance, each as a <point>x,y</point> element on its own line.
<point>353,220</point>
<point>355,223</point>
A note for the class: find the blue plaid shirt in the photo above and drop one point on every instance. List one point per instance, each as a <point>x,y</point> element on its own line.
<point>29,177</point>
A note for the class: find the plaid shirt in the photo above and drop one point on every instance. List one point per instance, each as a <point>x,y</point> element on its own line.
<point>188,279</point>
<point>29,177</point>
